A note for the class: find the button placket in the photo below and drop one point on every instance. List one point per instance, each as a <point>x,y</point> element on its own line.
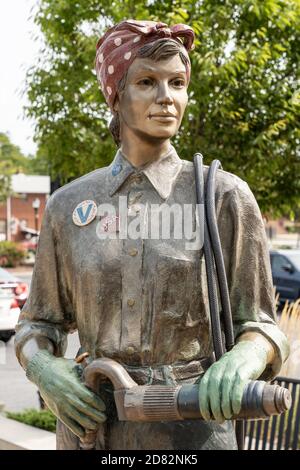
<point>132,254</point>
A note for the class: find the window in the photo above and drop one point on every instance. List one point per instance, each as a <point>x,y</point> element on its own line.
<point>279,262</point>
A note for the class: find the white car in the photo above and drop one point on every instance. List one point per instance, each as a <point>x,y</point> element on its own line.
<point>9,314</point>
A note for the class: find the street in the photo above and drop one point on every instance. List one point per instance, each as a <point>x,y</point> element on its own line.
<point>16,392</point>
<point>25,277</point>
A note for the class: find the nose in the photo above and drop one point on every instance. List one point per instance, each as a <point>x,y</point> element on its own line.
<point>163,94</point>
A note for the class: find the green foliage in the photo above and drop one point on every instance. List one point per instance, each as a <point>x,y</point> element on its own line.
<point>10,254</point>
<point>244,92</point>
<point>43,419</point>
<point>13,161</point>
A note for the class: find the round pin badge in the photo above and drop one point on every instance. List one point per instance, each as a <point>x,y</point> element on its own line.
<point>84,213</point>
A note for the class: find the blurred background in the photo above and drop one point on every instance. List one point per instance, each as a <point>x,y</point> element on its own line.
<point>244,100</point>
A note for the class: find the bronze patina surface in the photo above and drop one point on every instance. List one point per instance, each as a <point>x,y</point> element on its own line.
<point>143,301</point>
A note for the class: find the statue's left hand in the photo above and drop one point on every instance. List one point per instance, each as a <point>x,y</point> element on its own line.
<point>221,388</point>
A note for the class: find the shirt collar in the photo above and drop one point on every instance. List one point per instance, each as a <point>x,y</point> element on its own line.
<point>161,173</point>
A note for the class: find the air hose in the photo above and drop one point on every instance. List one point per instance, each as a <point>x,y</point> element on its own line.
<point>209,260</point>
<point>218,255</point>
<point>215,268</point>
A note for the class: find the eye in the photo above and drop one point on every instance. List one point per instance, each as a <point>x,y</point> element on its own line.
<point>178,82</point>
<point>145,82</point>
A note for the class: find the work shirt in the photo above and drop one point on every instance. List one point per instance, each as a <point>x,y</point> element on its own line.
<point>144,301</point>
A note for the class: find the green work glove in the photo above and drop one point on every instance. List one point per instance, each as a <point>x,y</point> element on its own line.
<point>67,397</point>
<point>221,388</point>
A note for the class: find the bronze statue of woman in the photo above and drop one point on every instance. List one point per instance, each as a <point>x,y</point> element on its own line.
<point>143,301</point>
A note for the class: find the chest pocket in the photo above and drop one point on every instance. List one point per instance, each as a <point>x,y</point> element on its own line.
<point>176,284</point>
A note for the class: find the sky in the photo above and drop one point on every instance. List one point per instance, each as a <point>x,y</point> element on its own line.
<point>18,51</point>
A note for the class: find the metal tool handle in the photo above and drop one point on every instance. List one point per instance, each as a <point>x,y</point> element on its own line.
<point>93,371</point>
<point>88,442</point>
<point>165,403</point>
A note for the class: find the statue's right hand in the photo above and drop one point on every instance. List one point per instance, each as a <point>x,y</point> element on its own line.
<point>60,385</point>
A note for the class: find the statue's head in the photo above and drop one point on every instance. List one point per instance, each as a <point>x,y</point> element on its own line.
<point>143,70</point>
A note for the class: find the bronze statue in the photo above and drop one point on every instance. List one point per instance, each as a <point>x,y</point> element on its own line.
<point>143,301</point>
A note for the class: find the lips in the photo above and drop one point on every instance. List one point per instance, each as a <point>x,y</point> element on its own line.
<point>162,117</point>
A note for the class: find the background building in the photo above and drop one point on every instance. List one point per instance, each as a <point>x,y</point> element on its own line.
<point>21,214</point>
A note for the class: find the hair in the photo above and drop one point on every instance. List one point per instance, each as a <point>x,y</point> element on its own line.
<point>161,49</point>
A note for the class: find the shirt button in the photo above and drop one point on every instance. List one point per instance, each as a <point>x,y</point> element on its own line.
<point>130,302</point>
<point>130,350</point>
<point>133,252</point>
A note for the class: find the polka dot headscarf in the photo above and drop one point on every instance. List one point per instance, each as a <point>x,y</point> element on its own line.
<point>119,46</point>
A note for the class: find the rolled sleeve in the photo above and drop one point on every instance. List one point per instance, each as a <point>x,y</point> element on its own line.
<point>247,263</point>
<point>275,336</point>
<point>48,310</point>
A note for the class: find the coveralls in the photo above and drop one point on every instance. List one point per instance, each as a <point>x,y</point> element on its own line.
<point>144,302</point>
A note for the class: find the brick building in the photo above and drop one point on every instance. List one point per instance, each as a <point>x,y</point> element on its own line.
<point>21,215</point>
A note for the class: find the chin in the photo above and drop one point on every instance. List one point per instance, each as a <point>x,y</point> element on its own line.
<point>162,133</point>
<point>159,133</point>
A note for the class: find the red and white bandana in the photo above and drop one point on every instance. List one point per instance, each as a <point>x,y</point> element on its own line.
<point>118,48</point>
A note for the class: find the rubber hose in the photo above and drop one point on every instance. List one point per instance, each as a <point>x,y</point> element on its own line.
<point>218,255</point>
<point>209,261</point>
<point>222,278</point>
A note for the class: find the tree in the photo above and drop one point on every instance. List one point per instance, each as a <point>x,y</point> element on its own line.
<point>11,161</point>
<point>244,99</point>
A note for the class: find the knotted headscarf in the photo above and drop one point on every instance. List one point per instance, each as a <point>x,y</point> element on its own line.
<point>118,48</point>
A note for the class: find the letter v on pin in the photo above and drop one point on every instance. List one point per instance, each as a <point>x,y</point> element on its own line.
<point>84,213</point>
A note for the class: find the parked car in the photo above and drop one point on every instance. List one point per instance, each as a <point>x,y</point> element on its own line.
<point>19,288</point>
<point>286,273</point>
<point>9,314</point>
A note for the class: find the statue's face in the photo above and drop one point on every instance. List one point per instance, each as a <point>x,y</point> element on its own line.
<point>153,101</point>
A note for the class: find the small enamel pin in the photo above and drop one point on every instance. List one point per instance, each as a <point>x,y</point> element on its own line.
<point>84,213</point>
